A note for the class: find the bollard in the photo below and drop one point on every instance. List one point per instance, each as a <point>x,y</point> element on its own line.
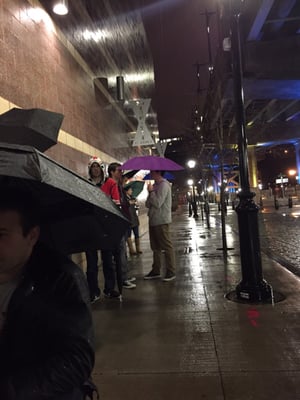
<point>290,202</point>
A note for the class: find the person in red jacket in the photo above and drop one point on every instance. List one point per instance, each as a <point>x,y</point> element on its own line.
<point>113,188</point>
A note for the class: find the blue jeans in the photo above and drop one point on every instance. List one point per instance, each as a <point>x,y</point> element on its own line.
<point>92,272</point>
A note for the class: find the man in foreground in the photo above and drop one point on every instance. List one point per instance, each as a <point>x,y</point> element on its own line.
<point>46,335</point>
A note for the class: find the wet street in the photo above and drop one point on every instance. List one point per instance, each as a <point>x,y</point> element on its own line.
<point>184,340</point>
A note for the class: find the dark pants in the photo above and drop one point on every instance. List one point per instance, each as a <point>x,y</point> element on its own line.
<point>92,272</point>
<point>135,230</point>
<point>117,256</point>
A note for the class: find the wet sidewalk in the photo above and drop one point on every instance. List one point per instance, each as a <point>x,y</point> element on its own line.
<point>183,340</point>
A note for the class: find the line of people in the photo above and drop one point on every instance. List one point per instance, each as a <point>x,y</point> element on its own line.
<point>112,187</point>
<point>159,204</point>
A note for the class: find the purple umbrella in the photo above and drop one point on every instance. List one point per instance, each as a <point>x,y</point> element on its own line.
<point>152,163</point>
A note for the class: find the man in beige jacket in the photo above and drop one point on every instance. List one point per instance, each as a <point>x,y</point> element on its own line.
<point>159,204</point>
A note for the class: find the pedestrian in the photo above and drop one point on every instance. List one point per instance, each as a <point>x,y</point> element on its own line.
<point>159,204</point>
<point>134,222</point>
<point>96,176</point>
<point>46,332</point>
<point>113,188</point>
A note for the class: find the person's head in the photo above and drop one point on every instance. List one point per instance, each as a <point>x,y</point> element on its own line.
<point>114,171</point>
<point>19,229</point>
<point>156,175</point>
<point>96,169</point>
<point>128,190</point>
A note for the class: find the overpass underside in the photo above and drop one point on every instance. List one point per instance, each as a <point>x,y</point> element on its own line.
<point>271,78</point>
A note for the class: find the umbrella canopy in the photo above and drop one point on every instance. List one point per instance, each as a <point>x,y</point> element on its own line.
<point>152,163</point>
<point>76,215</point>
<point>129,174</point>
<point>34,127</point>
<point>167,175</point>
<point>137,187</point>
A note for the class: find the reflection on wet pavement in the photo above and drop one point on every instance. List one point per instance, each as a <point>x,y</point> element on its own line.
<point>184,340</point>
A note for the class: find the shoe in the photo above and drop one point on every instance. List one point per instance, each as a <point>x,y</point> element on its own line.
<point>152,275</point>
<point>131,279</point>
<point>170,276</point>
<point>94,299</point>
<point>113,294</point>
<point>128,285</point>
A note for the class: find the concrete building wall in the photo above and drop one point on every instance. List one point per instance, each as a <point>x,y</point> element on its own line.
<point>39,69</point>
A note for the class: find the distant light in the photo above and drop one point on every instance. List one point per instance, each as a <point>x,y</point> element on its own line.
<point>250,123</point>
<point>292,172</point>
<point>286,151</point>
<point>190,182</point>
<point>191,163</point>
<point>61,7</point>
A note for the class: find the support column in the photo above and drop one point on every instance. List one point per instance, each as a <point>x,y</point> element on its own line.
<point>297,151</point>
<point>252,168</point>
<point>253,287</point>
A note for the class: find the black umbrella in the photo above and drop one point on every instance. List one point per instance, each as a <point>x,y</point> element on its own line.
<point>130,173</point>
<point>77,216</point>
<point>34,127</point>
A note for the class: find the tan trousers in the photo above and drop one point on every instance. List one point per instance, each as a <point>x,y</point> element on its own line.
<point>160,240</point>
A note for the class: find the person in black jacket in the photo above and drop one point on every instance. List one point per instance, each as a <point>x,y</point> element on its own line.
<point>46,332</point>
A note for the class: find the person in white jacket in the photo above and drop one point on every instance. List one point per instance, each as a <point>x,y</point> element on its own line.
<point>159,204</point>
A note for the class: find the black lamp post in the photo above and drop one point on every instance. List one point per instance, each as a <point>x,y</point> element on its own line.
<point>253,287</point>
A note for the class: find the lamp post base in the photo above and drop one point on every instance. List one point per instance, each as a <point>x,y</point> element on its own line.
<point>276,297</point>
<point>259,292</point>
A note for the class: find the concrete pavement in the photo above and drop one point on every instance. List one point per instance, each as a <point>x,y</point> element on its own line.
<point>183,340</point>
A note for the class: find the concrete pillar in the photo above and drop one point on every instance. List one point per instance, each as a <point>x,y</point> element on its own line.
<point>252,162</point>
<point>297,151</point>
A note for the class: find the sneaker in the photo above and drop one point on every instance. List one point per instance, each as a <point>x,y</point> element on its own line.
<point>94,299</point>
<point>131,279</point>
<point>112,294</point>
<point>170,276</point>
<point>128,285</point>
<point>152,275</point>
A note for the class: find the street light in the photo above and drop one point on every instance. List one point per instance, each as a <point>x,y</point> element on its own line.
<point>252,288</point>
<point>192,164</point>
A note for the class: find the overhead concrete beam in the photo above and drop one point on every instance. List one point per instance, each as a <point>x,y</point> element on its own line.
<point>282,110</point>
<point>261,16</point>
<point>267,89</point>
<point>278,59</point>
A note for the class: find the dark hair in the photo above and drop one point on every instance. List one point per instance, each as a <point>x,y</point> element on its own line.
<point>112,167</point>
<point>101,169</point>
<point>161,172</point>
<point>21,200</point>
